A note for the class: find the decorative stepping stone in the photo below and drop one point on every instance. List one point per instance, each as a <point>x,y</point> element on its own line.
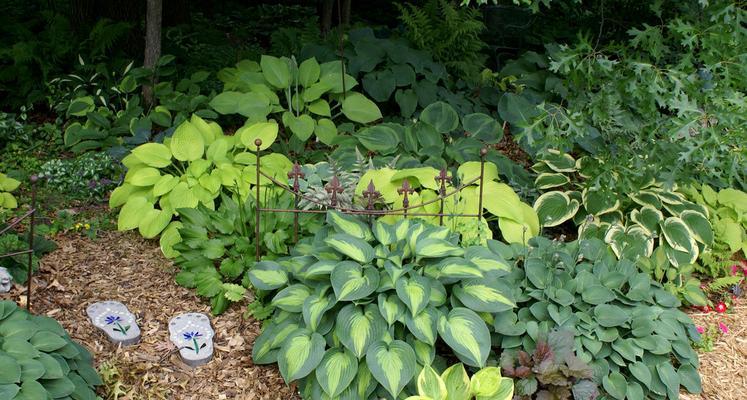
<point>192,334</point>
<point>6,281</point>
<point>116,321</point>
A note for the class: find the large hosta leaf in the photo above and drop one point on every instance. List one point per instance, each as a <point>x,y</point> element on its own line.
<point>301,352</point>
<point>466,333</point>
<point>268,275</point>
<point>430,384</point>
<point>358,326</point>
<point>436,248</point>
<point>267,132</point>
<point>291,298</point>
<point>554,208</point>
<point>393,365</point>
<point>315,306</point>
<point>360,109</point>
<point>336,371</point>
<point>352,247</point>
<point>457,382</point>
<point>415,292</point>
<point>349,224</point>
<point>699,226</point>
<point>187,143</point>
<point>351,281</point>
<point>678,235</point>
<point>484,295</point>
<point>424,325</point>
<point>153,154</point>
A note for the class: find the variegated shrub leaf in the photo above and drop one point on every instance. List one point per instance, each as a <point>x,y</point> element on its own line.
<point>351,281</point>
<point>648,218</point>
<point>268,275</point>
<point>415,292</point>
<point>359,326</point>
<point>678,235</point>
<point>350,225</point>
<point>424,325</point>
<point>393,365</point>
<point>300,353</point>
<point>357,249</point>
<point>466,333</point>
<point>336,371</point>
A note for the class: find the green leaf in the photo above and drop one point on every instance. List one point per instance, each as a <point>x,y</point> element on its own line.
<point>233,292</point>
<point>458,268</point>
<point>466,333</point>
<point>391,308</point>
<point>267,132</point>
<point>678,235</point>
<point>336,371</point>
<point>641,372</point>
<point>349,224</point>
<point>352,282</point>
<point>144,177</point>
<point>484,295</point>
<point>291,298</point>
<point>546,180</point>
<point>47,341</point>
<point>80,106</point>
<point>483,127</point>
<point>300,354</point>
<point>358,326</point>
<point>31,370</point>
<point>393,365</point>
<point>488,383</point>
<point>437,248</point>
<point>597,294</point>
<point>669,377</point>
<point>58,388</point>
<point>690,378</point>
<point>153,154</point>
<point>615,385</point>
<point>325,131</point>
<point>554,208</point>
<point>301,126</point>
<point>268,275</point>
<point>360,109</point>
<point>9,391</point>
<point>440,116</point>
<point>132,213</point>
<point>276,71</point>
<point>154,222</point>
<point>33,390</point>
<point>314,308</point>
<point>308,73</point>
<point>187,143</point>
<point>698,225</point>
<point>415,292</point>
<point>424,325</point>
<point>610,316</point>
<point>352,247</point>
<point>431,385</point>
<point>378,138</point>
<point>457,382</point>
<point>600,201</point>
<point>10,371</point>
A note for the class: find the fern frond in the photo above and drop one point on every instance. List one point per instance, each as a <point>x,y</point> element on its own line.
<point>718,285</point>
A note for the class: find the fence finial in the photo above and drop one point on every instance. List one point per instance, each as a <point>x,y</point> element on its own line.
<point>333,188</point>
<point>405,191</point>
<point>371,195</point>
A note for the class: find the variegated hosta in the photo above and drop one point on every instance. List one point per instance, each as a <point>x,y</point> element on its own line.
<point>194,166</point>
<point>455,384</point>
<point>633,224</point>
<point>359,309</point>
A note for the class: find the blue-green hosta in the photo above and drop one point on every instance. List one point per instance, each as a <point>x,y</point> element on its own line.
<point>517,220</point>
<point>359,309</point>
<point>194,166</point>
<point>7,185</point>
<point>305,96</point>
<point>454,384</point>
<point>627,327</point>
<point>645,222</point>
<point>38,360</point>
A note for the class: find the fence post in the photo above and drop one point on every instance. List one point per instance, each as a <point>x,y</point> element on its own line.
<point>294,174</point>
<point>333,188</point>
<point>34,178</point>
<point>405,191</point>
<point>258,143</point>
<point>483,153</point>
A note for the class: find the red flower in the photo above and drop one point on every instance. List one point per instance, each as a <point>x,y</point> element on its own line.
<point>720,307</point>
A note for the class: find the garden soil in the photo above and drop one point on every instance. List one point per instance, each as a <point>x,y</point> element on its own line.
<point>127,268</point>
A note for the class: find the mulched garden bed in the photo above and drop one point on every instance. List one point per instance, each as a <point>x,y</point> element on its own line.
<point>127,268</point>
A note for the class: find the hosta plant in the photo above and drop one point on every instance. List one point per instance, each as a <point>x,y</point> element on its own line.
<point>38,360</point>
<point>455,384</point>
<point>551,371</point>
<point>358,309</point>
<point>626,326</point>
<point>194,166</point>
<point>306,97</point>
<point>215,248</point>
<point>7,185</point>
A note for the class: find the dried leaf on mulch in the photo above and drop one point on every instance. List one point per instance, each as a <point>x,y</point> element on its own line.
<point>127,268</point>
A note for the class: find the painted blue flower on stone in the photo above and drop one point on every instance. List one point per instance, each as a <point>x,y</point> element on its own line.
<point>115,320</point>
<point>110,319</point>
<point>191,335</point>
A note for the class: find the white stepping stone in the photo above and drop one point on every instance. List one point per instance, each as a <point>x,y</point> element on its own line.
<point>192,334</point>
<point>116,321</point>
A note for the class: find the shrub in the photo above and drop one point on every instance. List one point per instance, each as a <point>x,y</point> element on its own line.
<point>38,360</point>
<point>352,300</point>
<point>88,176</point>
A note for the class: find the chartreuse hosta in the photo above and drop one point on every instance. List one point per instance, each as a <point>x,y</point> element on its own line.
<point>307,96</point>
<point>455,384</point>
<point>194,166</point>
<point>652,221</point>
<point>7,185</point>
<point>727,211</point>
<point>517,220</point>
<point>359,310</point>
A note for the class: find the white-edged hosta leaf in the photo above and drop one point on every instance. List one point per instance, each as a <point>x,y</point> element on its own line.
<point>699,226</point>
<point>600,201</point>
<point>678,257</point>
<point>554,208</point>
<point>315,306</point>
<point>560,162</point>
<point>291,298</point>
<point>336,371</point>
<point>466,333</point>
<point>391,308</point>
<point>268,275</point>
<point>393,365</point>
<point>678,235</point>
<point>646,198</point>
<point>429,247</point>
<point>351,281</point>
<point>301,352</point>
<point>415,292</point>
<point>484,295</point>
<point>351,246</point>
<point>647,217</point>
<point>359,326</point>
<point>351,225</point>
<point>457,382</point>
<point>424,325</point>
<point>546,181</point>
<point>431,385</point>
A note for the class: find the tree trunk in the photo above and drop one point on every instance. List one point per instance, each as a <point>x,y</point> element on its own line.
<point>153,17</point>
<point>345,12</point>
<point>326,21</point>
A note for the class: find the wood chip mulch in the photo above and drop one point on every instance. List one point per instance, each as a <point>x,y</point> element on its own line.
<point>127,268</point>
<point>724,370</point>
